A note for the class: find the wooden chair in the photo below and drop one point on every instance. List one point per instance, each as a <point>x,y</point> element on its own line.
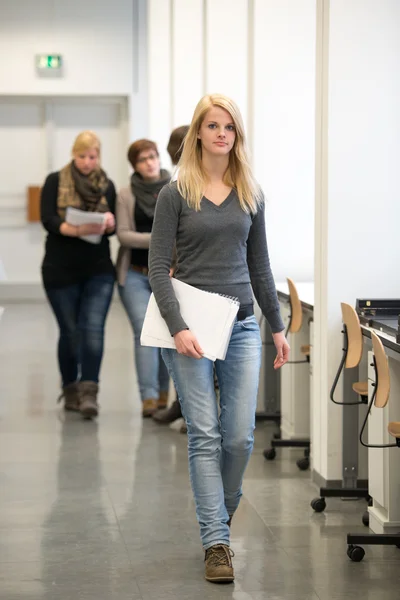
<point>379,399</point>
<point>294,326</point>
<point>351,357</point>
<point>296,316</point>
<point>352,353</point>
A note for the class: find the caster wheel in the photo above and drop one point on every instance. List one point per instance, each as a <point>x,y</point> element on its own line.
<point>318,504</point>
<point>270,454</point>
<point>303,464</point>
<point>277,436</point>
<point>307,453</point>
<point>365,519</point>
<point>355,553</point>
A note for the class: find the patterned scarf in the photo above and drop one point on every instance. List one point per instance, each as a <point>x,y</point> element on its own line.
<point>85,192</point>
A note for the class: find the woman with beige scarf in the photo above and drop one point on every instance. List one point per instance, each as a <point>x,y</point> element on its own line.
<point>79,276</point>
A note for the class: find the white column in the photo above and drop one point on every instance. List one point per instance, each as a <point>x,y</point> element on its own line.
<point>159,74</point>
<point>357,186</point>
<point>187,59</point>
<point>138,104</point>
<point>226,52</point>
<point>284,129</point>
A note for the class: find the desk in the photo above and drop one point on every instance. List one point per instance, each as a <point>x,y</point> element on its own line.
<point>383,463</point>
<point>295,378</point>
<point>268,400</point>
<point>387,329</point>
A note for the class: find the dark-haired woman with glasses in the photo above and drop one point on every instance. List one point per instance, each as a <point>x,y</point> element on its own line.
<point>135,214</point>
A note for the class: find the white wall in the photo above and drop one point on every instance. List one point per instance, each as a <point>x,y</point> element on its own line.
<point>357,214</point>
<point>94,37</point>
<point>261,53</point>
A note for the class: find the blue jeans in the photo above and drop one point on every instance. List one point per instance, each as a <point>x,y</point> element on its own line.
<point>151,371</point>
<point>219,446</point>
<point>81,310</point>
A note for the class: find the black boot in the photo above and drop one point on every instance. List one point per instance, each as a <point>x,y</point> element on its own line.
<point>168,415</point>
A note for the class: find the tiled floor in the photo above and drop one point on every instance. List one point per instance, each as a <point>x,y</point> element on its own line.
<point>103,511</point>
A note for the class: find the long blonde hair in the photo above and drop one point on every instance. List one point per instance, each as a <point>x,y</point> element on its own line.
<point>192,177</point>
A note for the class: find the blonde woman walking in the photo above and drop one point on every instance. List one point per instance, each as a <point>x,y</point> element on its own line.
<point>78,276</point>
<point>215,215</point>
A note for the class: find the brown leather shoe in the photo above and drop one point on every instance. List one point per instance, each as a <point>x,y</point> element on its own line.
<point>218,561</point>
<point>70,394</point>
<point>88,395</point>
<point>149,407</point>
<point>168,415</point>
<point>162,401</point>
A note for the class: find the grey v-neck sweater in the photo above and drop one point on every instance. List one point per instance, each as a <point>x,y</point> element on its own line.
<point>219,249</point>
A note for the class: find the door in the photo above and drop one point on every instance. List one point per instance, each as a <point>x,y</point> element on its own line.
<point>22,156</point>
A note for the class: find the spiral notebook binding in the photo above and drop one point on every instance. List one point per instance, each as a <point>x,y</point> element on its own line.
<point>233,298</point>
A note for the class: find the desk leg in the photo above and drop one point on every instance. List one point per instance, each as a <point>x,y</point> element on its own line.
<point>269,387</point>
<point>350,431</point>
<point>350,443</point>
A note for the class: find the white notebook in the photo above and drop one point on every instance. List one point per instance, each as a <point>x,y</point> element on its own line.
<point>209,316</point>
<point>76,217</point>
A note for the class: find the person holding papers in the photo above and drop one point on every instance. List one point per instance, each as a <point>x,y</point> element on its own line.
<point>214,214</point>
<point>79,276</point>
<point>135,213</point>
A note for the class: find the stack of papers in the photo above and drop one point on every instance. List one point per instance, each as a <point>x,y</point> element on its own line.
<point>209,316</point>
<point>76,217</point>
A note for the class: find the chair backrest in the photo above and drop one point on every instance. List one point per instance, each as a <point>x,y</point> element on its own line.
<point>354,336</point>
<point>382,372</point>
<point>296,319</point>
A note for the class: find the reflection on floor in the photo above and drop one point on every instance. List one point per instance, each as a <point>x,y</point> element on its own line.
<point>104,511</point>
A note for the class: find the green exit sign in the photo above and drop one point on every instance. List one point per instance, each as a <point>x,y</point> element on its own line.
<point>46,62</point>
